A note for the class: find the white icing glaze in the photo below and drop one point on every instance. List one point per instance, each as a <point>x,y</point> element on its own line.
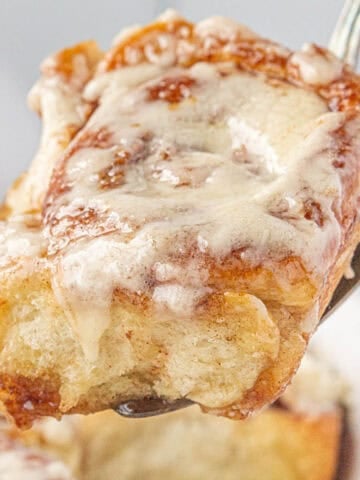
<point>317,68</point>
<point>240,149</point>
<point>87,300</point>
<point>222,27</point>
<point>19,240</point>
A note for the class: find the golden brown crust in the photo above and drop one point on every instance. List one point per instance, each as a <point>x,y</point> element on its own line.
<point>26,399</point>
<point>4,212</point>
<point>265,386</point>
<point>252,54</point>
<point>63,62</point>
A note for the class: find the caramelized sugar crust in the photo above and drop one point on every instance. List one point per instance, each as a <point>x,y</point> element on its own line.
<point>252,54</point>
<point>26,399</point>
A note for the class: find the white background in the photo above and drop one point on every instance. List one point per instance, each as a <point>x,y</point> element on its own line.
<point>30,29</point>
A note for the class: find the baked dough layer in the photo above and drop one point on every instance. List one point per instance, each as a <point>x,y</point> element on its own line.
<point>276,444</point>
<point>301,441</point>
